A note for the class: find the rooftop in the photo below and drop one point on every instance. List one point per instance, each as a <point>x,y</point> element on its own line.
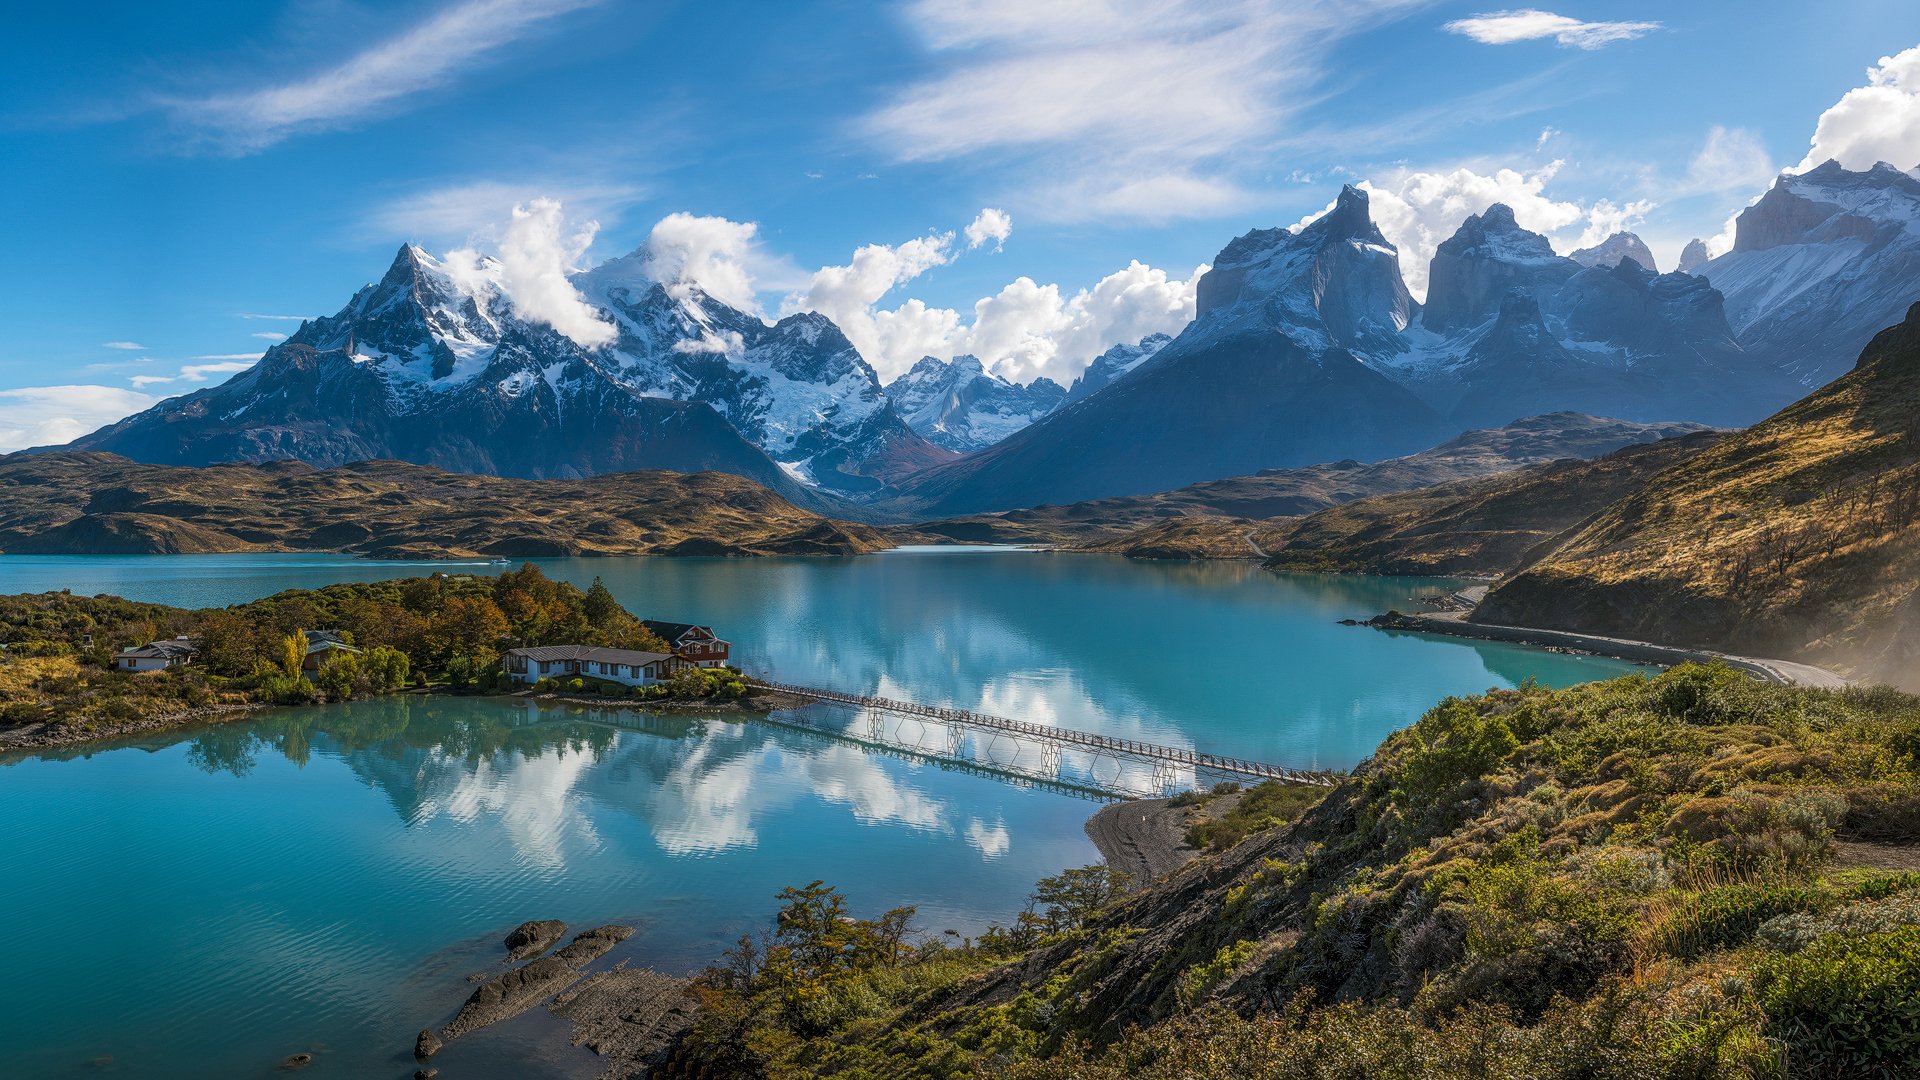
<point>595,653</point>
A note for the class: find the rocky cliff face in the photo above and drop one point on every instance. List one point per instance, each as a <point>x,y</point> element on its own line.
<point>1693,256</point>
<point>419,368</point>
<point>959,405</point>
<point>1819,265</point>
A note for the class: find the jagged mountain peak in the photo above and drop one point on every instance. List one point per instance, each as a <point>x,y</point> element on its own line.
<point>1487,256</point>
<point>1114,363</point>
<point>1350,219</point>
<point>1609,252</point>
<point>960,405</point>
<point>1693,256</point>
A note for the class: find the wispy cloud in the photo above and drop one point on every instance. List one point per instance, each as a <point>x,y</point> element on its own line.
<point>276,318</point>
<point>49,415</point>
<point>130,346</point>
<point>223,364</point>
<point>268,335</point>
<point>371,82</point>
<point>1148,102</point>
<point>247,356</point>
<point>472,211</point>
<point>1530,24</point>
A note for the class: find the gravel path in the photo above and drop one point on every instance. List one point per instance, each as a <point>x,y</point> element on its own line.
<point>1145,837</point>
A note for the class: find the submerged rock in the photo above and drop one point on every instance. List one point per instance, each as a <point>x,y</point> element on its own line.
<point>514,992</point>
<point>427,1045</point>
<point>296,1061</point>
<point>531,938</point>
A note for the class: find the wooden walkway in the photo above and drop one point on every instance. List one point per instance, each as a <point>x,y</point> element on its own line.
<point>1086,740</point>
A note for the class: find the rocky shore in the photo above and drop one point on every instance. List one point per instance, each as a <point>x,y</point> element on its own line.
<point>55,736</point>
<point>1145,837</point>
<point>628,1017</point>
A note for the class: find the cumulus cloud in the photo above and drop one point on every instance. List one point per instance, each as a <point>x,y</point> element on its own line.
<point>1876,122</point>
<point>371,81</point>
<point>1529,24</point>
<point>719,256</point>
<point>1157,95</point>
<point>847,295</point>
<point>537,252</point>
<point>1416,210</point>
<point>991,224</point>
<point>48,415</point>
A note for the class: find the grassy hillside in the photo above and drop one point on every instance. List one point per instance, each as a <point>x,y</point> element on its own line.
<point>1797,538</point>
<point>1690,875</point>
<point>94,503</point>
<point>1478,527</point>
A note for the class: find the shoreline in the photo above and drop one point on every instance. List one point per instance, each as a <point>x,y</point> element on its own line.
<point>1455,624</point>
<point>1147,838</point>
<point>45,735</point>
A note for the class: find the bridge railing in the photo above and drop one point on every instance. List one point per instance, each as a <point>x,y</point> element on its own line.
<point>1068,736</point>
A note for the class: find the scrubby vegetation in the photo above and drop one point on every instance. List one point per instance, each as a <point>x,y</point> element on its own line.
<point>1686,875</point>
<point>443,630</point>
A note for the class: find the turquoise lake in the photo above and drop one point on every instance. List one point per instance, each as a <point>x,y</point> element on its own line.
<point>208,902</point>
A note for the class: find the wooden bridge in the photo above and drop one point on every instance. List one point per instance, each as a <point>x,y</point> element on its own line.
<point>1161,756</point>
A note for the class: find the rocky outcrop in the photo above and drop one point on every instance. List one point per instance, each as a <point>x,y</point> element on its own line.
<point>1112,364</point>
<point>1487,258</point>
<point>513,992</point>
<point>959,405</point>
<point>1693,256</point>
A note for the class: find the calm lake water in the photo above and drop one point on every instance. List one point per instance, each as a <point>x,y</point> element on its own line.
<point>206,903</point>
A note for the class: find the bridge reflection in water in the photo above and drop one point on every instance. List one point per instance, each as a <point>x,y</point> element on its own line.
<point>1078,761</point>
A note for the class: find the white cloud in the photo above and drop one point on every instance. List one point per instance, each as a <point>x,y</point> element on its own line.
<point>847,295</point>
<point>728,344</point>
<point>1160,96</point>
<point>990,224</point>
<point>1508,27</point>
<point>200,372</point>
<point>372,81</point>
<point>1417,210</point>
<point>537,253</point>
<point>49,415</point>
<point>1876,122</point>
<point>1547,135</point>
<point>1731,159</point>
<point>721,257</point>
<point>276,318</point>
<point>128,345</point>
<point>228,356</point>
<point>269,335</point>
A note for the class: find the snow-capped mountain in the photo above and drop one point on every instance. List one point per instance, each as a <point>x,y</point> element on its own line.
<point>429,367</point>
<point>1308,348</point>
<point>1113,363</point>
<point>1267,375</point>
<point>960,405</point>
<point>1511,329</point>
<point>1608,253</point>
<point>1825,260</point>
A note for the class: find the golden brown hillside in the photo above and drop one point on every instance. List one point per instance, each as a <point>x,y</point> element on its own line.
<point>94,503</point>
<point>1474,527</point>
<point>1799,537</point>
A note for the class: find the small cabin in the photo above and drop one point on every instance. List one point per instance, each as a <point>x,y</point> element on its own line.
<point>321,646</point>
<point>157,655</point>
<point>697,645</point>
<point>627,667</point>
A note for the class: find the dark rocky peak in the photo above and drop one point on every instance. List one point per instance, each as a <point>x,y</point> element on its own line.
<point>1350,219</point>
<point>1485,258</point>
<point>1520,329</point>
<point>1609,252</point>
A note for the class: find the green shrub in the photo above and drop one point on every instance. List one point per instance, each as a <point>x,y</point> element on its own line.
<point>1847,1006</point>
<point>1730,915</point>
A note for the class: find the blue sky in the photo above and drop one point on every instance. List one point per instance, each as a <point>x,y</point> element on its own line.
<point>173,174</point>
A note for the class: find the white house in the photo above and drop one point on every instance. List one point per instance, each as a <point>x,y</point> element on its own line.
<point>157,656</point>
<point>625,666</point>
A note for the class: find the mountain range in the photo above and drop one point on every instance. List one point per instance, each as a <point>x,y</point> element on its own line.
<point>418,368</point>
<point>1306,347</point>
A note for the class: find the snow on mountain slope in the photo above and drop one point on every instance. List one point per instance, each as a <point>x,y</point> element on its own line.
<point>1114,363</point>
<point>1825,260</point>
<point>431,342</point>
<point>958,404</point>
